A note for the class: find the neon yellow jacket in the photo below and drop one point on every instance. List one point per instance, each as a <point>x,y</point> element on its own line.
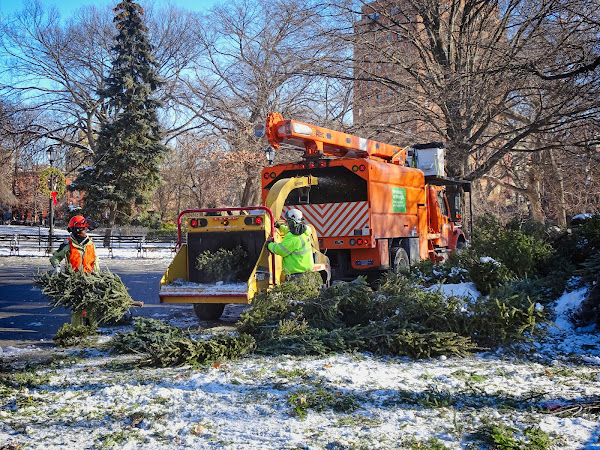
<point>296,251</point>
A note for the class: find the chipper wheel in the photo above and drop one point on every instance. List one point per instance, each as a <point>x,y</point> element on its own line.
<point>208,311</point>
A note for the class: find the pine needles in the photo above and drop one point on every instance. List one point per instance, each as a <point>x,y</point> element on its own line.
<point>69,335</point>
<point>223,264</point>
<point>300,317</point>
<point>399,319</point>
<point>197,352</point>
<point>101,294</point>
<point>168,345</point>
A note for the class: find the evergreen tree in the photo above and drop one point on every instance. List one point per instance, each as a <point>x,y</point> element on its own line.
<point>129,151</point>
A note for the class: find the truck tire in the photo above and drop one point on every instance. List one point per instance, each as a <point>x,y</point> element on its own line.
<point>401,260</point>
<point>208,311</point>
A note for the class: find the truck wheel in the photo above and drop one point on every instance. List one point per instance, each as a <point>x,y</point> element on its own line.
<point>401,261</point>
<point>208,311</point>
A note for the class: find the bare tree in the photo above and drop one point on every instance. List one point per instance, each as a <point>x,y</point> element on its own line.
<point>505,84</point>
<point>488,78</point>
<point>196,176</point>
<point>261,57</point>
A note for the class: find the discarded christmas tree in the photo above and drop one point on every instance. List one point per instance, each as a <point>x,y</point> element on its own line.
<point>224,264</point>
<point>102,295</point>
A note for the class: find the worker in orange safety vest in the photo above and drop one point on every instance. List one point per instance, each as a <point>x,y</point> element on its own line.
<point>78,248</point>
<point>80,252</point>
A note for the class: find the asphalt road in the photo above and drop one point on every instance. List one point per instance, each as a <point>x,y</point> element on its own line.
<point>25,316</point>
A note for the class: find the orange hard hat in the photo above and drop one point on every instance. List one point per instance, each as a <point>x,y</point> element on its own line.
<point>77,222</point>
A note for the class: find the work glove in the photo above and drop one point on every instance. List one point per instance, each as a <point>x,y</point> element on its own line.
<point>56,270</point>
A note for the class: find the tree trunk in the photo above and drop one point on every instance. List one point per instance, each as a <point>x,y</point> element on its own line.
<point>112,215</point>
<point>533,195</point>
<point>561,204</point>
<point>532,188</point>
<point>251,192</point>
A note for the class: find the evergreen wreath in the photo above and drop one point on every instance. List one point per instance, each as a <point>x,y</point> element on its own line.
<point>59,179</point>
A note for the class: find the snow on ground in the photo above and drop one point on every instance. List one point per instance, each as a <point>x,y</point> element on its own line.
<point>90,399</point>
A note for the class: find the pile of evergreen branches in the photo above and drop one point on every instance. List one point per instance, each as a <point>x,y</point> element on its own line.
<point>400,318</point>
<point>101,294</point>
<point>70,335</point>
<point>224,264</point>
<point>301,317</point>
<point>168,345</point>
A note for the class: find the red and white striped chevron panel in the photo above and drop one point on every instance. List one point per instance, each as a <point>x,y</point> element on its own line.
<point>335,219</point>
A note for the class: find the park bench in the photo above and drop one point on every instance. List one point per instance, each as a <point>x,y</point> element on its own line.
<point>18,242</point>
<point>137,242</point>
<point>11,241</point>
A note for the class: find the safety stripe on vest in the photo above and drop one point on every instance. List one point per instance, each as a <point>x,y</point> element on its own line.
<point>303,250</point>
<point>284,249</point>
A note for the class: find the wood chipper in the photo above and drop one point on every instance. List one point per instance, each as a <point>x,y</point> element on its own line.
<point>234,228</point>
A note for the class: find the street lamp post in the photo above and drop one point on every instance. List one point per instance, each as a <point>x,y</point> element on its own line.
<point>270,154</point>
<point>51,158</point>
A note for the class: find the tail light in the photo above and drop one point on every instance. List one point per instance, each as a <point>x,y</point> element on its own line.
<point>253,220</point>
<point>195,223</point>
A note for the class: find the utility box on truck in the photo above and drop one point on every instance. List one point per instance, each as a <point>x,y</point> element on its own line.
<point>428,158</point>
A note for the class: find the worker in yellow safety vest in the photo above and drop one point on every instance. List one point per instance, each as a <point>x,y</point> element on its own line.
<point>295,248</point>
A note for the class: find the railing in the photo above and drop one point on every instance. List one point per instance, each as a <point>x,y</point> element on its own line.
<point>40,242</point>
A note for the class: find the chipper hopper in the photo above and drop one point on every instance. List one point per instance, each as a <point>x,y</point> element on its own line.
<point>239,235</point>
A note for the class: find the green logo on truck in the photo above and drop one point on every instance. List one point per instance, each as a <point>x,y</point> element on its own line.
<point>398,199</point>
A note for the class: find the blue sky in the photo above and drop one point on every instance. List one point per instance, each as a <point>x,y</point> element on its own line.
<point>67,7</point>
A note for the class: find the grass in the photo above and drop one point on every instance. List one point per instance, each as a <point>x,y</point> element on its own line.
<point>319,399</point>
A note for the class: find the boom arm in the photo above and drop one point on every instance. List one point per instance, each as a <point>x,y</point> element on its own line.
<point>318,141</point>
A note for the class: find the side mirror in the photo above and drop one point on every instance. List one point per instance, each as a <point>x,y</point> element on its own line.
<point>453,195</point>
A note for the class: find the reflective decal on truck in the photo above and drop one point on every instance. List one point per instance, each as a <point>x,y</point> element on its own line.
<point>398,199</point>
